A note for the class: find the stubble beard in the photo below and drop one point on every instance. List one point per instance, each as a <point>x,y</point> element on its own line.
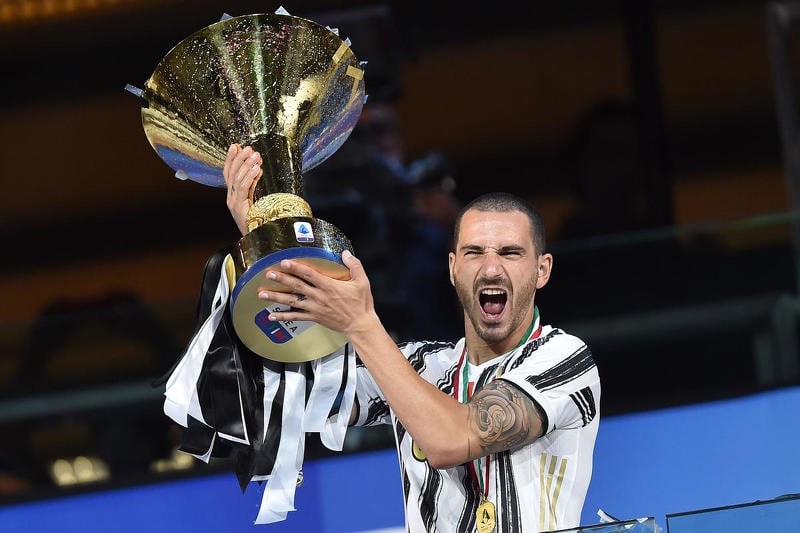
<point>493,333</point>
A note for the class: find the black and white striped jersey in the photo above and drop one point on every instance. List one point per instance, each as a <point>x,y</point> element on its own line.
<point>535,488</point>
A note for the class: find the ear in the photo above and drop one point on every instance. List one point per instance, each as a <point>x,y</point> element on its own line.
<point>545,266</point>
<point>451,259</point>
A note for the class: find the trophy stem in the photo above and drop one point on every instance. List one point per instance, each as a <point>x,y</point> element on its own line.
<point>276,193</point>
<point>281,163</point>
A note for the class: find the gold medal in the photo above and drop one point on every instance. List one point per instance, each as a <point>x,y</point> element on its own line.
<point>419,455</point>
<point>485,516</point>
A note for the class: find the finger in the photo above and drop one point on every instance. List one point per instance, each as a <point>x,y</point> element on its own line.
<point>353,264</point>
<point>249,168</point>
<point>305,277</point>
<point>240,159</point>
<point>278,297</point>
<point>251,173</point>
<point>295,301</point>
<point>292,306</point>
<point>229,158</point>
<point>252,185</point>
<point>291,281</point>
<point>287,316</point>
<point>236,165</point>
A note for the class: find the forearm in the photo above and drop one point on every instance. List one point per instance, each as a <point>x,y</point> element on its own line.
<point>436,421</point>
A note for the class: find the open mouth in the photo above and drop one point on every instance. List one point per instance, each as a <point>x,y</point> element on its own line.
<point>493,302</point>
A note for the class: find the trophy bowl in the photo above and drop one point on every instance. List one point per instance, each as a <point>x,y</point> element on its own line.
<point>293,90</point>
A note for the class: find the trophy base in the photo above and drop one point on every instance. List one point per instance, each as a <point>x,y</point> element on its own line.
<point>311,241</point>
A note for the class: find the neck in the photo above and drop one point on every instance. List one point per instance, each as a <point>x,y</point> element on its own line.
<point>479,351</point>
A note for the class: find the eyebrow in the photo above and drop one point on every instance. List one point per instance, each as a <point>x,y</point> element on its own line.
<point>500,250</point>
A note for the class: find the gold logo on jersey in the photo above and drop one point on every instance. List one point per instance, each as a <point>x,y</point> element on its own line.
<point>419,455</point>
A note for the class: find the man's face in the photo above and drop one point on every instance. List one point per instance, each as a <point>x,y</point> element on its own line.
<point>495,271</point>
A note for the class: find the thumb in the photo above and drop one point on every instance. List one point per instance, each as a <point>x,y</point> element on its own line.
<point>353,263</point>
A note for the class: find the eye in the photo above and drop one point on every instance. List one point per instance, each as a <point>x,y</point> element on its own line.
<point>511,253</point>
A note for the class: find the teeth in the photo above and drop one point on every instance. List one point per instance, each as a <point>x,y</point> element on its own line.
<point>492,292</point>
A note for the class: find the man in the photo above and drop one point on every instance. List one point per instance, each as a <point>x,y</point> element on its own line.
<point>494,432</point>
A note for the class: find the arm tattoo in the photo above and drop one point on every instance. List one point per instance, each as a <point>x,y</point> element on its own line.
<point>502,417</point>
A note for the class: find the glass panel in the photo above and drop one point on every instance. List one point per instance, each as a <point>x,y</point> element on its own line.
<point>781,515</point>
<point>641,525</point>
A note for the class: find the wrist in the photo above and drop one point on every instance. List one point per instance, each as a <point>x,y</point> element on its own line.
<point>361,329</point>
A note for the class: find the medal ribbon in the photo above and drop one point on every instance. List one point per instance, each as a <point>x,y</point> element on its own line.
<point>463,396</point>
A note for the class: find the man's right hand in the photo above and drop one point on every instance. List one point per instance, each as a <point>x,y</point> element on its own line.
<point>241,171</point>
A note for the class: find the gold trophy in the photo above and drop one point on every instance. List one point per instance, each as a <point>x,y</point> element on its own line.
<point>293,90</point>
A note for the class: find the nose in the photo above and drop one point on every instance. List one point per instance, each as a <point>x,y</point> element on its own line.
<point>492,266</point>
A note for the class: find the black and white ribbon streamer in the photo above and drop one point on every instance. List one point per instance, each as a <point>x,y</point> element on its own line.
<point>233,403</point>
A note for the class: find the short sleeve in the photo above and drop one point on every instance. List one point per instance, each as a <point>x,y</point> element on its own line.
<point>373,410</point>
<point>430,359</point>
<point>558,372</point>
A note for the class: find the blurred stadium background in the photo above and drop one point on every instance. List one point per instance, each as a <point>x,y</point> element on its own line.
<point>658,139</point>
